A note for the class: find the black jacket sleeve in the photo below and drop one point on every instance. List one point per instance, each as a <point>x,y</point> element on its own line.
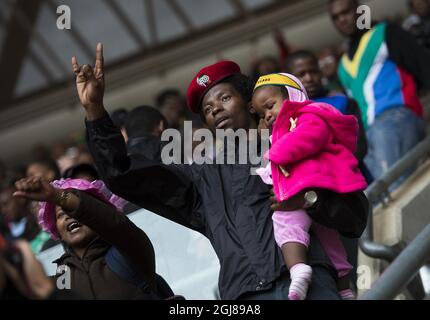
<point>407,53</point>
<point>167,190</point>
<point>353,109</point>
<point>116,229</point>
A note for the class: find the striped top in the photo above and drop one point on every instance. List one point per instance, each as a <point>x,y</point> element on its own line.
<point>374,80</point>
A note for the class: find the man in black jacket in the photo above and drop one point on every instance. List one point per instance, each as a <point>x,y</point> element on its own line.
<point>222,201</point>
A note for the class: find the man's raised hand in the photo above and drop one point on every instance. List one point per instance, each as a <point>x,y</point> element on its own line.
<point>90,83</point>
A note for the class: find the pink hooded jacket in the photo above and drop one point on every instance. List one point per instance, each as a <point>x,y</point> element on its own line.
<point>313,146</point>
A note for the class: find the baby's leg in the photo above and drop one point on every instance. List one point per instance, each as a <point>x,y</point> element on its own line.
<point>344,288</point>
<point>291,234</point>
<point>333,246</point>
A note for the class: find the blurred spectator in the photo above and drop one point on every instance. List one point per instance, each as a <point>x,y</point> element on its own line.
<point>3,172</point>
<point>40,152</point>
<point>58,150</point>
<point>74,155</point>
<point>304,65</point>
<point>49,171</point>
<point>264,65</point>
<point>27,280</point>
<point>141,122</point>
<point>381,76</point>
<point>46,168</point>
<point>118,118</point>
<point>4,229</point>
<point>20,218</point>
<point>81,171</point>
<point>172,106</point>
<point>328,63</point>
<point>84,157</point>
<point>141,125</point>
<point>418,23</point>
<point>68,159</point>
<point>22,224</point>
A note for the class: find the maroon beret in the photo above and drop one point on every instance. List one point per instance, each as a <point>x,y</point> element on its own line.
<point>205,79</point>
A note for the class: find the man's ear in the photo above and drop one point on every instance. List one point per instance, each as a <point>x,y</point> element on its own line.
<point>124,134</point>
<point>161,126</point>
<point>158,130</point>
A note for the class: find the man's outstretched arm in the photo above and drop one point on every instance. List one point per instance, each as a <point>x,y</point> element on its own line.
<point>142,179</point>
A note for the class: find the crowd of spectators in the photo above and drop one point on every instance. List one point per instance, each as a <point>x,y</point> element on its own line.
<point>70,158</point>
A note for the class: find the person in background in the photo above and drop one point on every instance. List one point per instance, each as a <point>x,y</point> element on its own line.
<point>328,63</point>
<point>27,281</point>
<point>58,149</point>
<point>81,171</point>
<point>21,222</point>
<point>264,65</point>
<point>3,173</point>
<point>172,106</point>
<point>140,123</point>
<point>48,170</point>
<point>118,117</point>
<point>381,69</point>
<point>45,168</point>
<point>418,23</point>
<point>304,65</point>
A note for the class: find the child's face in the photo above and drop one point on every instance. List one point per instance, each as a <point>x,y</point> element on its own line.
<point>267,102</point>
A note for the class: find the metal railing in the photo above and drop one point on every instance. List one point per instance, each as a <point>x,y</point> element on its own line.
<point>404,264</point>
<point>379,191</point>
<point>402,270</point>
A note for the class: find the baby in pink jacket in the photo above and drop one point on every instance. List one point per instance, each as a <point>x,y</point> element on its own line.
<point>312,146</point>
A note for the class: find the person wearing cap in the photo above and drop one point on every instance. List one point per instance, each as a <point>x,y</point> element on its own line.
<point>87,218</point>
<point>227,204</point>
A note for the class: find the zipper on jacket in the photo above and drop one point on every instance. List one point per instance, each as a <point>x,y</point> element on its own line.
<point>87,271</point>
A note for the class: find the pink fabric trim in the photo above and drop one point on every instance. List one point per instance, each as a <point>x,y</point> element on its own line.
<point>96,188</point>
